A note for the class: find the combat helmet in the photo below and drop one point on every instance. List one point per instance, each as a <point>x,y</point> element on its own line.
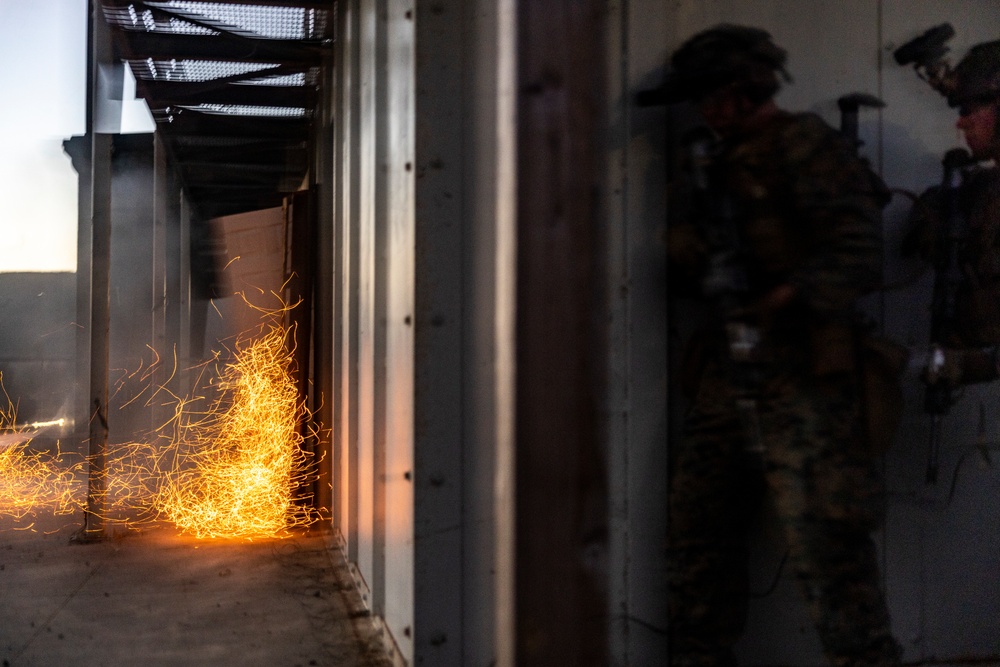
<point>723,55</point>
<point>976,78</point>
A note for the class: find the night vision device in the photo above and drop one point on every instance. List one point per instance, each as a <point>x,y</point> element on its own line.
<point>927,55</point>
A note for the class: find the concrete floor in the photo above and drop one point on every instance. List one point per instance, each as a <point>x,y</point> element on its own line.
<point>156,598</point>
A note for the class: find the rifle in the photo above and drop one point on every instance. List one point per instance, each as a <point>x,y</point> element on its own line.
<point>849,105</point>
<point>725,281</point>
<point>948,277</point>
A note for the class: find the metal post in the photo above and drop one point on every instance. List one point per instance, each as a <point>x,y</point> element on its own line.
<point>161,296</point>
<point>100,311</point>
<point>100,315</point>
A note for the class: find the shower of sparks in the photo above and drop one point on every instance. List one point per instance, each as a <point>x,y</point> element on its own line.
<point>32,480</point>
<point>236,467</point>
<point>36,481</point>
<point>231,465</point>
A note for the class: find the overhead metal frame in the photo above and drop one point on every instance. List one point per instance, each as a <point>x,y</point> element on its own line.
<point>232,87</point>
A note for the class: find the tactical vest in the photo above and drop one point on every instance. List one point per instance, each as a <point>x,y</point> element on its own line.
<point>978,303</point>
<point>809,210</point>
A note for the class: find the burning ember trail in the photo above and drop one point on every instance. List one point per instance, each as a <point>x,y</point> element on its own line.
<point>236,467</point>
<point>32,480</point>
<point>232,468</point>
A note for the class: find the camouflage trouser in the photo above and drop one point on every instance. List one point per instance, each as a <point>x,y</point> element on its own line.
<point>825,487</point>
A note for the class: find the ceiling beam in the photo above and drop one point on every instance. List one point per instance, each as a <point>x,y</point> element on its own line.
<point>223,47</point>
<point>314,4</point>
<point>188,122</point>
<point>161,94</point>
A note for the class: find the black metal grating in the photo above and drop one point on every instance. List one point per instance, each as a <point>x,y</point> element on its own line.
<point>193,70</point>
<point>232,87</point>
<point>181,17</point>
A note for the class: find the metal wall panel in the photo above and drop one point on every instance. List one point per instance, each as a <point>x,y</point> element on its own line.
<point>399,358</point>
<point>323,397</point>
<point>380,295</point>
<point>338,94</point>
<point>426,253</point>
<point>438,326</point>
<point>483,43</point>
<point>368,309</point>
<point>347,422</point>
<point>637,397</point>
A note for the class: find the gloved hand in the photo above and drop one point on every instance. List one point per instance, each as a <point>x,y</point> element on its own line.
<point>955,367</point>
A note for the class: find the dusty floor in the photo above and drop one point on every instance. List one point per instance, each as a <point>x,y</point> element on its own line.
<point>155,598</point>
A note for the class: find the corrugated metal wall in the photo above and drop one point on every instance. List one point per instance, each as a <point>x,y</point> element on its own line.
<point>414,386</point>
<point>421,212</point>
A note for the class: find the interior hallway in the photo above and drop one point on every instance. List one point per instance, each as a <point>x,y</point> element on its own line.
<point>156,598</point>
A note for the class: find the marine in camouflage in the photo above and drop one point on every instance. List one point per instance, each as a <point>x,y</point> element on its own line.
<point>971,345</point>
<point>809,214</point>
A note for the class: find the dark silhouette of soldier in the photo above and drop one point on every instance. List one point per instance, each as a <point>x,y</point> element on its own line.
<point>775,407</point>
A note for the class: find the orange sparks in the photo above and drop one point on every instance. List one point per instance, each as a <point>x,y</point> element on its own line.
<point>237,466</point>
<point>33,480</point>
<point>232,468</point>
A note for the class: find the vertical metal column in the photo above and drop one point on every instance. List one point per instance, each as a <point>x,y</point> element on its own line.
<point>381,295</point>
<point>505,332</point>
<point>323,396</point>
<point>100,320</point>
<point>184,356</point>
<point>100,280</point>
<point>159,296</point>
<point>350,172</point>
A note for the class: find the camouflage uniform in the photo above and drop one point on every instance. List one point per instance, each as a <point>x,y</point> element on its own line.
<point>809,211</point>
<point>971,346</point>
<point>977,307</point>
